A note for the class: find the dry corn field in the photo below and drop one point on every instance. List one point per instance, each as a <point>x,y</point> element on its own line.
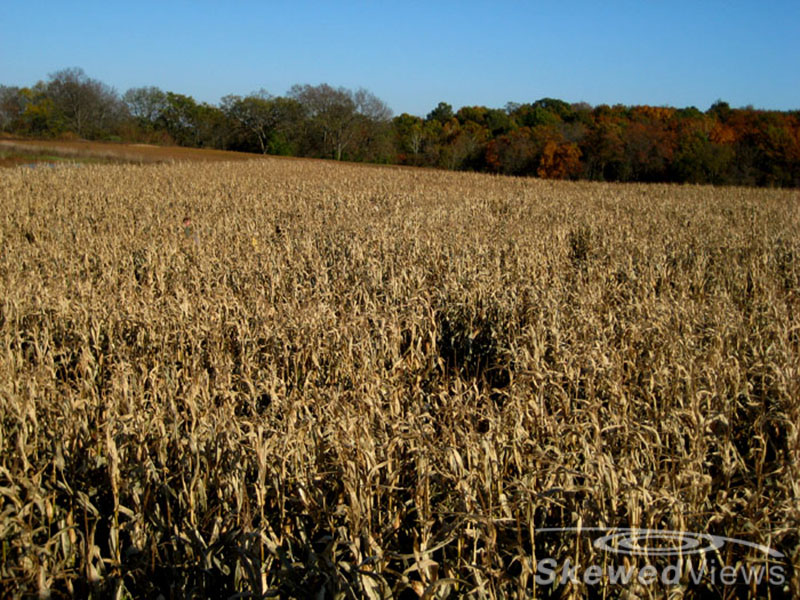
<point>345,381</point>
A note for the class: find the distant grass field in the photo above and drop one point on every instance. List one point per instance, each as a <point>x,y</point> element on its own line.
<point>15,152</point>
<point>23,158</point>
<point>342,381</point>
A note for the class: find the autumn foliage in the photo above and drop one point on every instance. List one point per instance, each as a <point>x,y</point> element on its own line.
<point>547,138</point>
<point>552,139</point>
<point>559,161</point>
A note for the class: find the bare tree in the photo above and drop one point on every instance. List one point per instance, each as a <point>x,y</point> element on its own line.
<point>86,105</point>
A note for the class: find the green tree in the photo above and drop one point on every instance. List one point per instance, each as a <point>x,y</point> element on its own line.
<point>409,132</point>
<point>213,128</point>
<point>498,122</point>
<point>698,160</point>
<point>39,114</point>
<point>720,110</point>
<point>12,106</point>
<point>286,133</point>
<point>534,115</point>
<point>145,104</point>
<point>265,122</point>
<point>464,145</point>
<point>476,114</point>
<point>562,109</point>
<point>255,115</point>
<point>442,113</point>
<point>604,147</point>
<point>180,118</point>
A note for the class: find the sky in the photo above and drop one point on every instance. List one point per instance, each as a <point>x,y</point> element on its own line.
<point>414,55</point>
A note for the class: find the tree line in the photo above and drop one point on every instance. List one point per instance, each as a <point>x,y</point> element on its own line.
<point>548,138</point>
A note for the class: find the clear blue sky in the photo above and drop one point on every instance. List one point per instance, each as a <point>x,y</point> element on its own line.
<point>415,54</point>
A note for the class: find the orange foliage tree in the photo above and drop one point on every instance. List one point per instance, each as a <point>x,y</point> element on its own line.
<point>559,161</point>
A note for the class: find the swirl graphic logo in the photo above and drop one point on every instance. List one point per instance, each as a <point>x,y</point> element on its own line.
<point>659,542</point>
<point>648,542</point>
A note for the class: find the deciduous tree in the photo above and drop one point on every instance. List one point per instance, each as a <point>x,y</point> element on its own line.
<point>338,116</point>
<point>146,104</point>
<point>87,106</point>
<point>257,115</point>
<point>12,106</point>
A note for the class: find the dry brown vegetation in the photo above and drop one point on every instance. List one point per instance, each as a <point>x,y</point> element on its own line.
<point>363,382</point>
<point>16,152</point>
